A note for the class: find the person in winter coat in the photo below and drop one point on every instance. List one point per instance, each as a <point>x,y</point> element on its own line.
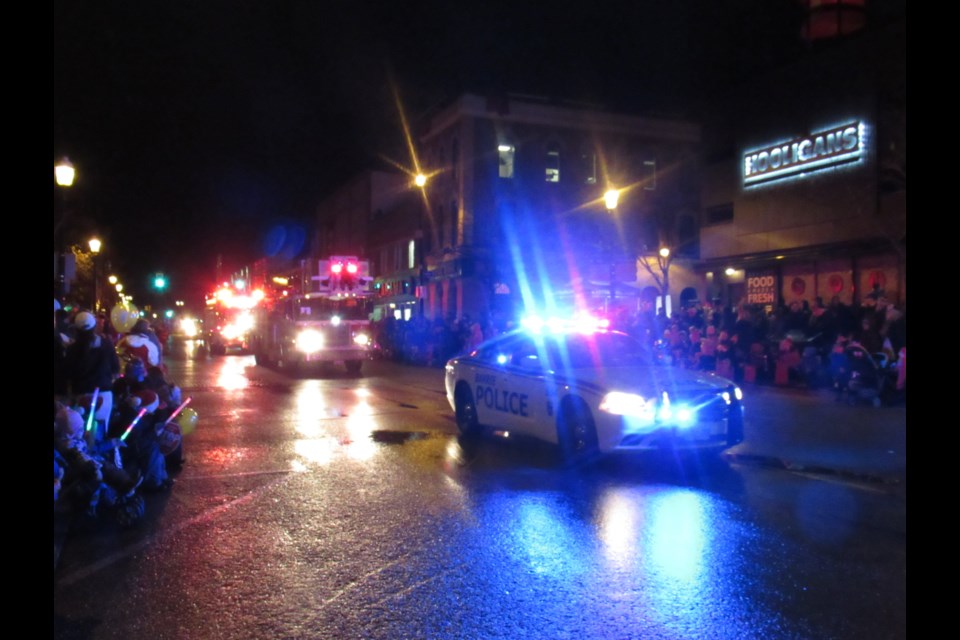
<point>91,364</point>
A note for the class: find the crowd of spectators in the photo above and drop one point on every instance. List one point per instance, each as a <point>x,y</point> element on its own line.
<point>788,344</point>
<point>114,434</point>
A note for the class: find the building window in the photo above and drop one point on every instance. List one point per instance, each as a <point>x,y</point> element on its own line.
<point>589,164</point>
<point>506,153</point>
<point>553,163</point>
<point>454,223</point>
<point>455,159</point>
<point>649,175</point>
<point>719,214</point>
<point>442,224</point>
<point>411,254</point>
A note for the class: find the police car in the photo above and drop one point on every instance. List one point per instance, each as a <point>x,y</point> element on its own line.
<point>590,391</point>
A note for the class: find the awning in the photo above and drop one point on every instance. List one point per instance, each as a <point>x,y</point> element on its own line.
<point>403,298</point>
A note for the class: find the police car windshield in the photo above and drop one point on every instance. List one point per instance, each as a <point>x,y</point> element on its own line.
<point>600,349</point>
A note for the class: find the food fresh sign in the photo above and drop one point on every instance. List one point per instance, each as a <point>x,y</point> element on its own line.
<point>761,288</point>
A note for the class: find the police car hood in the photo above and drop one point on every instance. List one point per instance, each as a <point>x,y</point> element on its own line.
<point>651,380</point>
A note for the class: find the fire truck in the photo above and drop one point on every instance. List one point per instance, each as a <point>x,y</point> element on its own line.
<point>228,319</point>
<point>325,318</point>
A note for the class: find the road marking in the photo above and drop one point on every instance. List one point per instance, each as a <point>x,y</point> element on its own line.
<point>362,579</point>
<point>239,474</point>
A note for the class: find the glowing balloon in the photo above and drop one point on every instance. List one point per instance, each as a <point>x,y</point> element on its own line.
<point>187,420</point>
<point>124,316</point>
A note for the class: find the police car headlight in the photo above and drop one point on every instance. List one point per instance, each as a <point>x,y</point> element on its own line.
<point>628,404</point>
<point>309,341</point>
<point>361,339</point>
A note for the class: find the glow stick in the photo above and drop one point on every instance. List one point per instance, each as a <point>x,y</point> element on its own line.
<point>176,412</point>
<point>93,408</point>
<point>133,424</point>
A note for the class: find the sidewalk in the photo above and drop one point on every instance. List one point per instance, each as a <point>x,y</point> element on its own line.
<point>818,434</point>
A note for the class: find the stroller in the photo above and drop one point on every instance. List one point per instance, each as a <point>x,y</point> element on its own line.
<point>863,377</point>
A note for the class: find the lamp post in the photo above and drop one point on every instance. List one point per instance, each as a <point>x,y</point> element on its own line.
<point>64,175</point>
<point>611,199</point>
<point>95,246</point>
<point>420,180</point>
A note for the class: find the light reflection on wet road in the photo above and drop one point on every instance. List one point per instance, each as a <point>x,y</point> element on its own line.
<point>337,507</point>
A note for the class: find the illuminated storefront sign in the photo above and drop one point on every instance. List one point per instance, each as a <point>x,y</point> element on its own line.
<point>802,156</point>
<point>761,287</point>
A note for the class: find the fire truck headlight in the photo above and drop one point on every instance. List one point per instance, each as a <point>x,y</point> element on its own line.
<point>309,341</point>
<point>361,339</point>
<point>231,331</point>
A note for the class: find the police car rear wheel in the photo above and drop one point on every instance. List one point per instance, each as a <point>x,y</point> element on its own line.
<point>467,422</point>
<point>577,433</point>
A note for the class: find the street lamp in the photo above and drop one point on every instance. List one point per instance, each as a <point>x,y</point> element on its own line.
<point>420,180</point>
<point>611,198</point>
<point>64,173</point>
<point>95,246</point>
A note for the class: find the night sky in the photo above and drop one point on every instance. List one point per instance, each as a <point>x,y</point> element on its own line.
<point>197,126</point>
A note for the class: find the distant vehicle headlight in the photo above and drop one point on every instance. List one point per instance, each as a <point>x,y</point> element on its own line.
<point>629,404</point>
<point>189,327</point>
<point>309,341</point>
<point>737,393</point>
<point>361,339</point>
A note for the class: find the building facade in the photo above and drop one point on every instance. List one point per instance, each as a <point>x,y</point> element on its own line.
<point>513,216</point>
<point>804,178</point>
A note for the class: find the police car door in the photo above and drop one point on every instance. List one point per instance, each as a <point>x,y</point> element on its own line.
<point>494,388</point>
<point>530,385</point>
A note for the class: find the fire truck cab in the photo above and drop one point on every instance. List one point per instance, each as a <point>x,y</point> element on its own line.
<point>328,322</point>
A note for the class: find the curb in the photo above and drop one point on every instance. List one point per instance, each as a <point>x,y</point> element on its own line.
<point>774,462</point>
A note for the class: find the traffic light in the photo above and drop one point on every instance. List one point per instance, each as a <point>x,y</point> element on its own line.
<point>159,282</point>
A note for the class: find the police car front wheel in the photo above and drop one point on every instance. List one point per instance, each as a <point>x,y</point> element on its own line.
<point>466,410</point>
<point>576,432</point>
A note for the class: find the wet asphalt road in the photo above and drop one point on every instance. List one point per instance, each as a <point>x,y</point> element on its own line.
<point>325,506</point>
